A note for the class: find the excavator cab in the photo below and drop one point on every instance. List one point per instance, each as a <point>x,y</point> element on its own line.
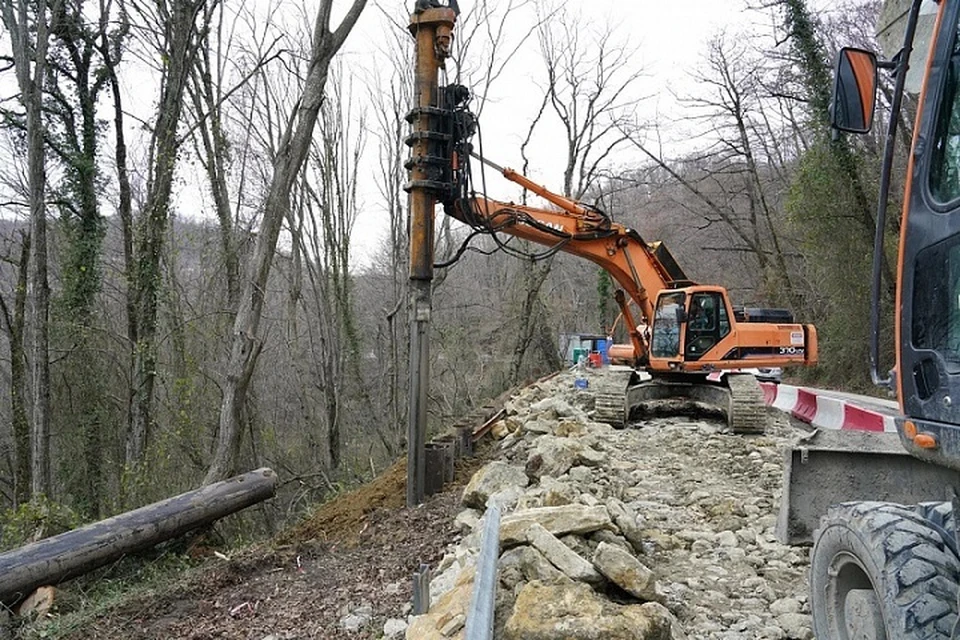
<point>886,550</point>
<point>688,325</point>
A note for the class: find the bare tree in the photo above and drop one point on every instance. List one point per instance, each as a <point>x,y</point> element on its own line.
<point>30,62</point>
<point>294,146</point>
<point>178,44</point>
<point>590,91</point>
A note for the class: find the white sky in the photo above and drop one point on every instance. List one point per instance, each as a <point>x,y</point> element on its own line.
<point>670,39</point>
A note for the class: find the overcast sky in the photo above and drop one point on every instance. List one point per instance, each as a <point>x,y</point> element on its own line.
<point>669,38</point>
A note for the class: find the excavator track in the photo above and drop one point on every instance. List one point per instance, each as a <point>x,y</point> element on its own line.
<point>737,398</point>
<point>610,397</point>
<point>748,411</point>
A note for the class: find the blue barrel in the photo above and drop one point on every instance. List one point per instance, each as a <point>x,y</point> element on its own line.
<point>603,346</point>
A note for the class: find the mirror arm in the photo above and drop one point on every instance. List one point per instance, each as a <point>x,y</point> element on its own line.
<point>900,65</point>
<point>892,64</point>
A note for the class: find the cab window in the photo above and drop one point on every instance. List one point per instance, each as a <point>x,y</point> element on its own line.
<point>936,301</point>
<point>707,324</point>
<point>665,341</point>
<point>945,161</point>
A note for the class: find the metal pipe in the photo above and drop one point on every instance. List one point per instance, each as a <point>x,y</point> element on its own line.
<point>432,29</point>
<point>483,601</point>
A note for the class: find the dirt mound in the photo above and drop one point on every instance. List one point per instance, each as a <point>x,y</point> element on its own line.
<point>344,518</point>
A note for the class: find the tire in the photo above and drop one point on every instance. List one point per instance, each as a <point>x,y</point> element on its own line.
<point>883,571</point>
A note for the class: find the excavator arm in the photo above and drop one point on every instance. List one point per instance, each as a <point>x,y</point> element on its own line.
<point>642,270</point>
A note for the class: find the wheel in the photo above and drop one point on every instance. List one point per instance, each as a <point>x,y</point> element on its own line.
<point>881,571</point>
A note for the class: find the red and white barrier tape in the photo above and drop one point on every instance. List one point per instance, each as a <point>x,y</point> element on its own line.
<point>824,411</point>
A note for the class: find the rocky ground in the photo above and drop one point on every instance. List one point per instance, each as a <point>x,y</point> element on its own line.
<point>689,508</point>
<point>674,540</point>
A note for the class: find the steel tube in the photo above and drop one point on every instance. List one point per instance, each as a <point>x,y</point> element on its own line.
<point>432,30</point>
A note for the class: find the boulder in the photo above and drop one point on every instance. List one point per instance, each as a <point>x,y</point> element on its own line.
<point>570,429</point>
<point>557,455</point>
<point>572,611</point>
<point>467,520</point>
<point>626,520</point>
<point>492,478</point>
<point>540,426</point>
<point>561,556</point>
<point>558,493</point>
<point>570,518</point>
<point>610,537</point>
<point>507,498</point>
<point>553,406</point>
<point>525,564</point>
<point>394,628</point>
<point>588,457</point>
<point>625,571</point>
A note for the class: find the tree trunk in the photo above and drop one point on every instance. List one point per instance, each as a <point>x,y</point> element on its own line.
<point>292,151</point>
<point>181,48</point>
<point>30,81</point>
<point>534,277</point>
<point>18,379</point>
<point>70,554</point>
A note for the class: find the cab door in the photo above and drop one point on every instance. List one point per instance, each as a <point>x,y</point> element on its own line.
<point>928,295</point>
<point>707,324</point>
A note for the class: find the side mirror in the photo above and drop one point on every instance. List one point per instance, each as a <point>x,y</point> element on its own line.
<point>854,91</point>
<point>681,315</point>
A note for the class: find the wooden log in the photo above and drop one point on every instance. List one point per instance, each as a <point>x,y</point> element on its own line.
<point>70,554</point>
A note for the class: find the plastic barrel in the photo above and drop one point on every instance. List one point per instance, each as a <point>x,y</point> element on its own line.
<point>603,346</point>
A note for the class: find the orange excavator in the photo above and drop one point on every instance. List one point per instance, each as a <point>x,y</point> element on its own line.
<point>695,341</point>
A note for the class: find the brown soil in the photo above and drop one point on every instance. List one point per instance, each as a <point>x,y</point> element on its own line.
<point>359,549</point>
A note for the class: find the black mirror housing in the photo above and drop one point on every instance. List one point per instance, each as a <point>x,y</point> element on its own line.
<point>854,90</point>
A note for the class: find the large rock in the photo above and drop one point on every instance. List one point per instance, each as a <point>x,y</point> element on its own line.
<point>572,611</point>
<point>562,556</point>
<point>540,426</point>
<point>554,407</point>
<point>625,571</point>
<point>491,479</point>
<point>557,493</point>
<point>557,455</point>
<point>626,520</point>
<point>569,518</point>
<point>526,564</point>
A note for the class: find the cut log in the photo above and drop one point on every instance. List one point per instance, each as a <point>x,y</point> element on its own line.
<point>70,554</point>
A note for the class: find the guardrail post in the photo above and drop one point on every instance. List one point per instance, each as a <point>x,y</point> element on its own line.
<point>421,590</point>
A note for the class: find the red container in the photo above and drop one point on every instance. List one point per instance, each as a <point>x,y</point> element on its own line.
<point>596,360</point>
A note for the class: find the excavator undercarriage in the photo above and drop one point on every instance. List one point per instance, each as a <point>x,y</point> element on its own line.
<point>623,396</point>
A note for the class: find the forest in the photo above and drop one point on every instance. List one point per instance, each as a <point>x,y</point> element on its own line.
<point>203,226</point>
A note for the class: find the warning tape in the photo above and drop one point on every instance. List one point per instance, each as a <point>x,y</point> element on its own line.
<point>823,411</point>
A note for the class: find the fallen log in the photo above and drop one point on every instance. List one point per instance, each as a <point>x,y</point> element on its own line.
<point>70,554</point>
